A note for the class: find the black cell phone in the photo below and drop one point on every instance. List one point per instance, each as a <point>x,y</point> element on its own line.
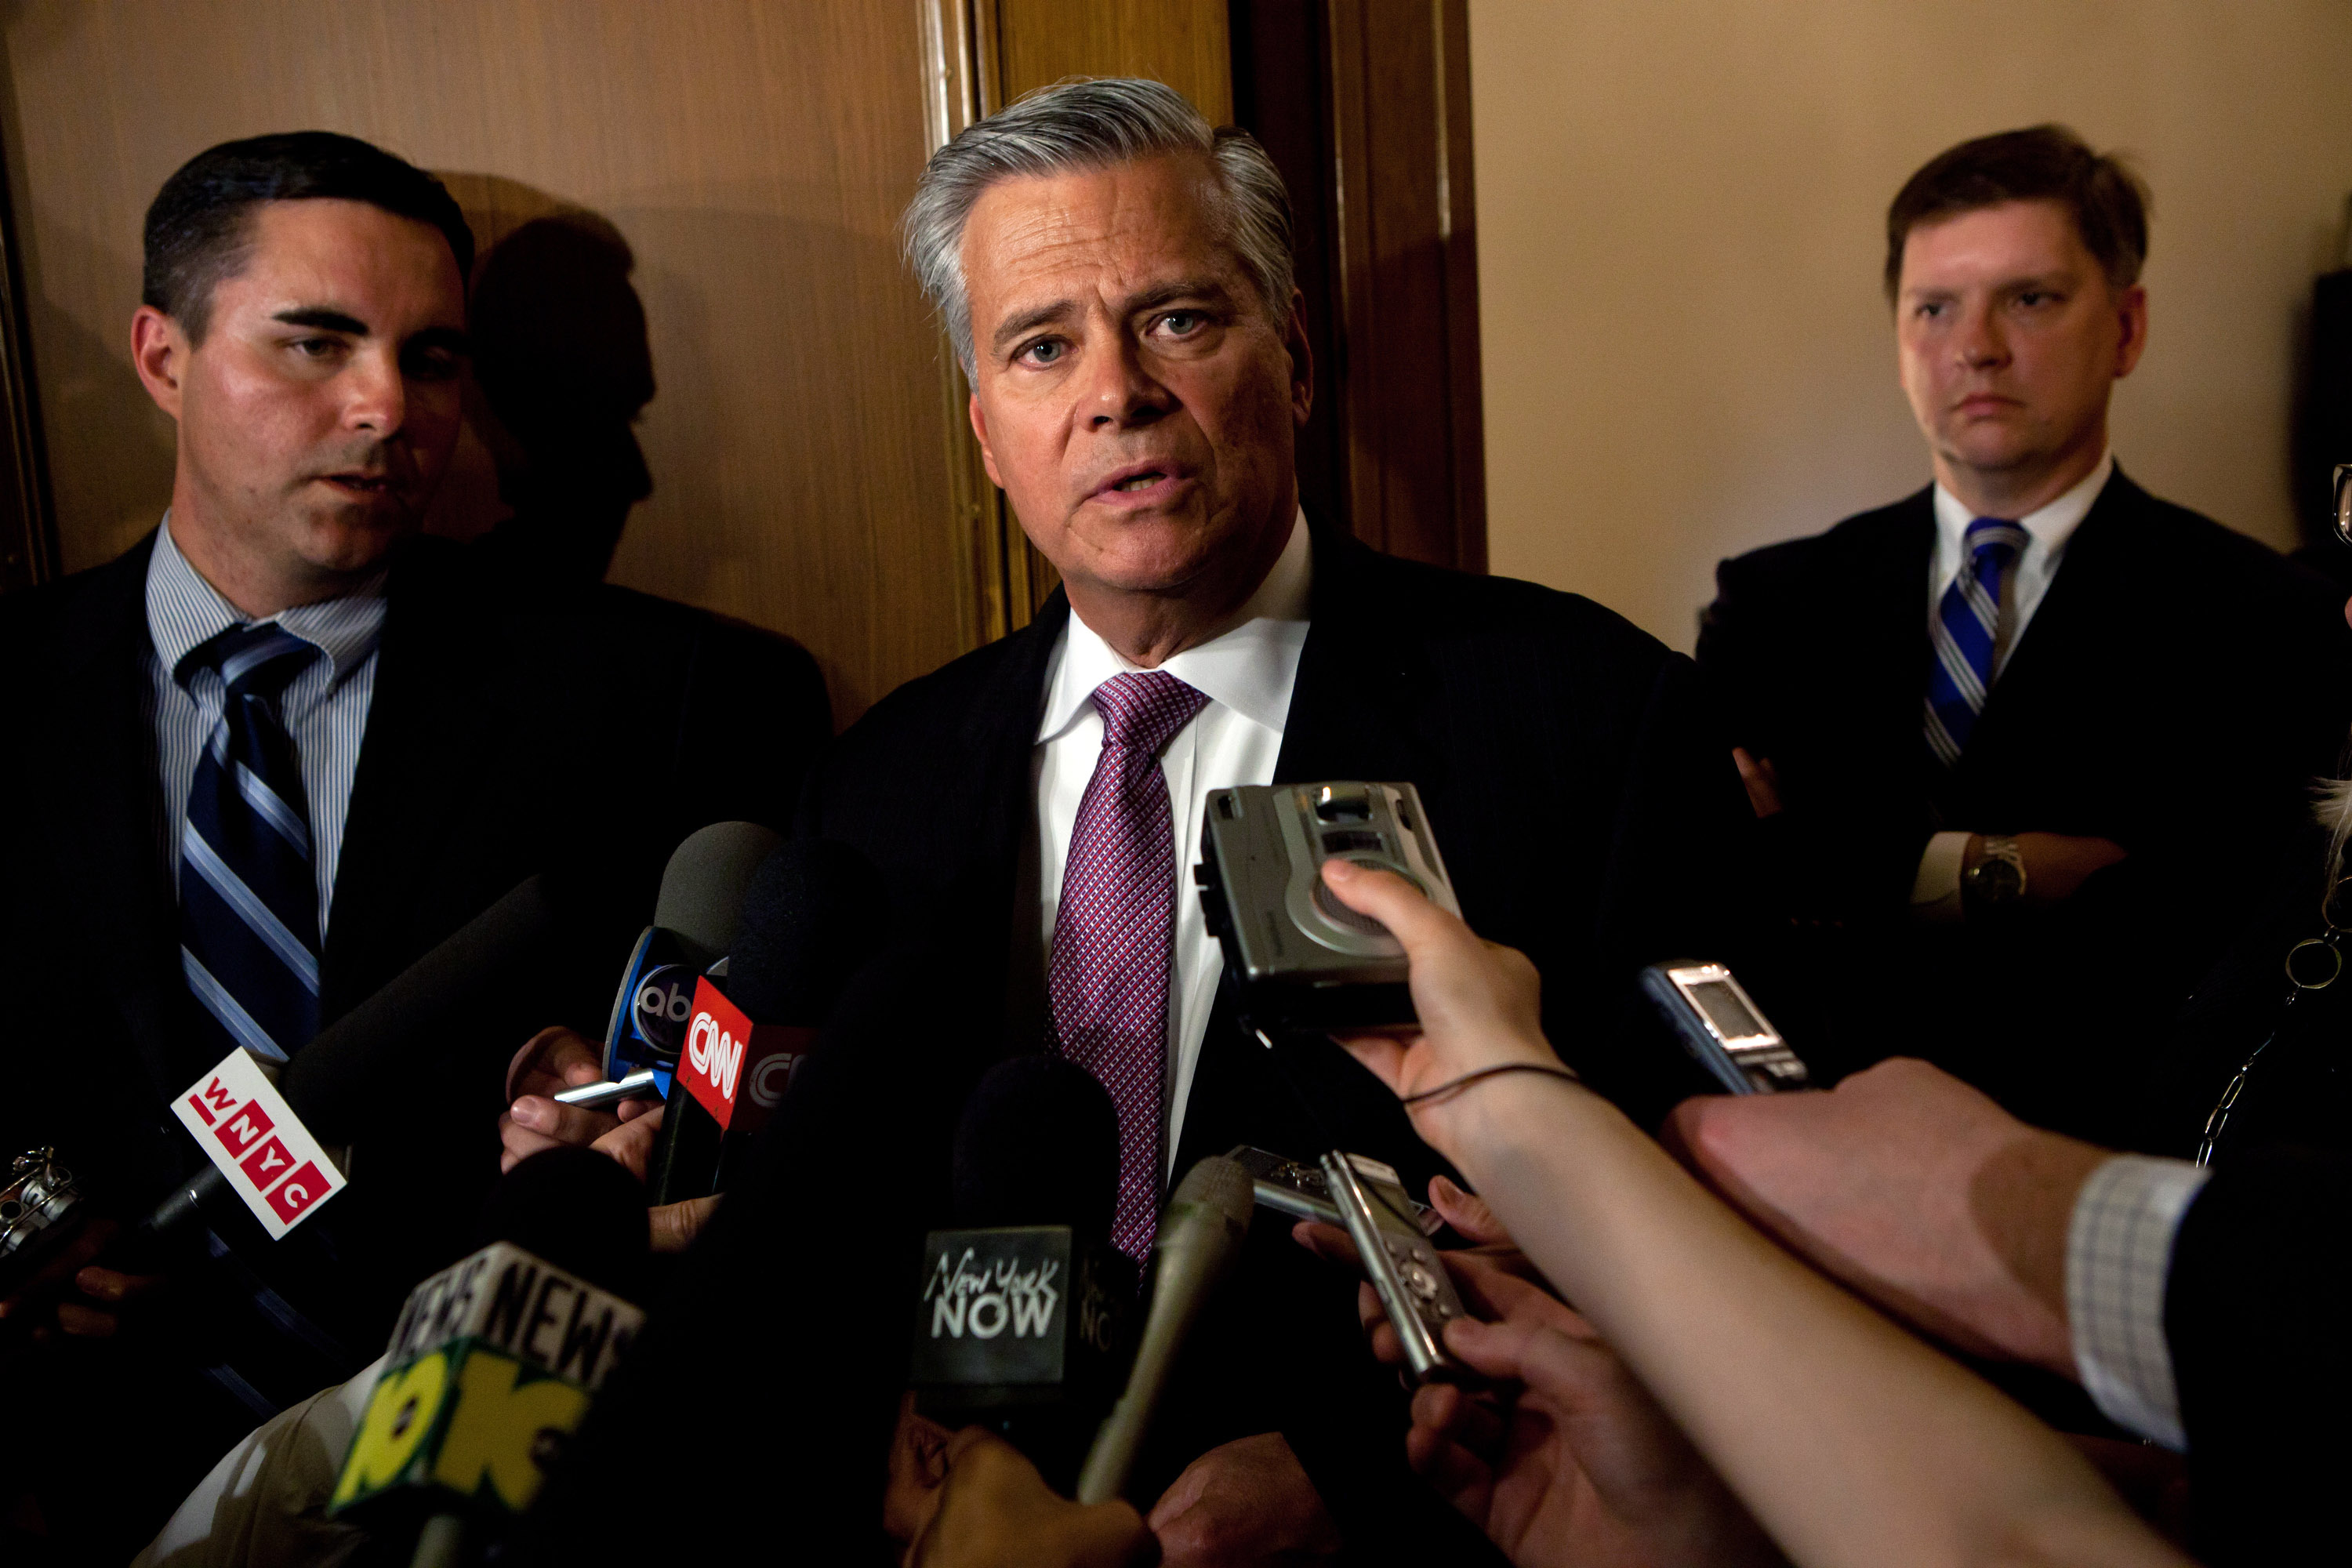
<point>1721,1027</point>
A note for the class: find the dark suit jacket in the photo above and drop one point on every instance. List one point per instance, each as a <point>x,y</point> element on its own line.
<point>2254,1315</point>
<point>2177,691</point>
<point>1585,805</point>
<point>511,731</point>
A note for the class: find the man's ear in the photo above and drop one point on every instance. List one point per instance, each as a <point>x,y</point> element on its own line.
<point>1302,361</point>
<point>979,429</point>
<point>2131,307</point>
<point>159,352</point>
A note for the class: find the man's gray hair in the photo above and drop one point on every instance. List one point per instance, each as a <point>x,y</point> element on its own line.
<point>1084,124</point>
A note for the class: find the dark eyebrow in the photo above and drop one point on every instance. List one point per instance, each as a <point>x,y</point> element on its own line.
<point>326,321</point>
<point>1183,288</point>
<point>449,339</point>
<point>1028,320</point>
<point>1045,315</point>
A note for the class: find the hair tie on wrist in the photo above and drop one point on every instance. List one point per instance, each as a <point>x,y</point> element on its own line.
<point>1467,1078</point>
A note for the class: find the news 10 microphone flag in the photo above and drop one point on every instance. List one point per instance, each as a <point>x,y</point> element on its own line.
<point>491,1368</point>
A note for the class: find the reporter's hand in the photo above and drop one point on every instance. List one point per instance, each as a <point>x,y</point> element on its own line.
<point>1915,1190</point>
<point>551,1060</point>
<point>1477,1001</point>
<point>674,1225</point>
<point>1243,1503</point>
<point>1761,780</point>
<point>1470,1217</point>
<point>73,1296</point>
<point>994,1510</point>
<point>918,1466</point>
<point>1570,1462</point>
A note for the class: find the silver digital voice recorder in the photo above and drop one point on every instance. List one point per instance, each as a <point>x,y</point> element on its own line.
<point>1414,1289</point>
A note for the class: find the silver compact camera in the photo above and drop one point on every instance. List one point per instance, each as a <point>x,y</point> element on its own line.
<point>1302,960</point>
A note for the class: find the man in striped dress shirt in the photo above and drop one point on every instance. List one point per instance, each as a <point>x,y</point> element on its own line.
<point>273,753</point>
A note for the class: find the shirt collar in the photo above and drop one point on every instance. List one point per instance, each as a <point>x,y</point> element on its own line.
<point>184,612</point>
<point>1249,668</point>
<point>2050,527</point>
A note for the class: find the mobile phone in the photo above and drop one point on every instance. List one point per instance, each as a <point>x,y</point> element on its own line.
<point>1300,1190</point>
<point>1722,1027</point>
<point>1416,1291</point>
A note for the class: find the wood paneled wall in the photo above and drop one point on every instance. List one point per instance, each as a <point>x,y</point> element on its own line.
<point>754,156</point>
<point>813,469</point>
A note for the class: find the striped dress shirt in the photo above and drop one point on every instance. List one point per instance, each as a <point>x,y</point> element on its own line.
<point>325,708</point>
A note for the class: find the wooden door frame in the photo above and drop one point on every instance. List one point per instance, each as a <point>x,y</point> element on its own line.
<point>28,521</point>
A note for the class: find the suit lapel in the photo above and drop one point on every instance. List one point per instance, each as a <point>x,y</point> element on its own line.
<point>1883,583</point>
<point>2078,599</point>
<point>112,872</point>
<point>996,883</point>
<point>445,707</point>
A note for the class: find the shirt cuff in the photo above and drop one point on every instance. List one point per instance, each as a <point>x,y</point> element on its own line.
<point>1935,889</point>
<point>2118,1253</point>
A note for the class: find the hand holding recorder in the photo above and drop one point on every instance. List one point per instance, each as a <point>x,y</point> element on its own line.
<point>1850,1442</point>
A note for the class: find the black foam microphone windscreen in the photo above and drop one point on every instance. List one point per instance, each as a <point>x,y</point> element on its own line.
<point>578,1209</point>
<point>813,914</point>
<point>1038,1144</point>
<point>705,885</point>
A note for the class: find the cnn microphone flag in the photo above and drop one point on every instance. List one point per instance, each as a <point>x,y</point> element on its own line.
<point>737,1069</point>
<point>243,1125</point>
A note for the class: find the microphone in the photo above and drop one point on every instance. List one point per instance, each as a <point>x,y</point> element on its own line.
<point>335,1088</point>
<point>696,918</point>
<point>493,1361</point>
<point>1021,1323</point>
<point>1200,1236</point>
<point>812,915</point>
<point>344,1083</point>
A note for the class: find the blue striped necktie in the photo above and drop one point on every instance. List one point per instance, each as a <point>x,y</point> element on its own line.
<point>249,899</point>
<point>1964,633</point>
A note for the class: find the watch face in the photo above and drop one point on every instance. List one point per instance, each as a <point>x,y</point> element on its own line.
<point>1998,880</point>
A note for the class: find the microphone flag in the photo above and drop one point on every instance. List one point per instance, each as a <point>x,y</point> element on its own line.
<point>254,1139</point>
<point>737,1069</point>
<point>490,1369</point>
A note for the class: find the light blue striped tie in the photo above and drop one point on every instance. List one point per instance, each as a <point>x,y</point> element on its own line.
<point>1963,634</point>
<point>249,899</point>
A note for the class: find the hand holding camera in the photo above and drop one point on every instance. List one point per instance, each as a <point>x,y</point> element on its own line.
<point>1478,1002</point>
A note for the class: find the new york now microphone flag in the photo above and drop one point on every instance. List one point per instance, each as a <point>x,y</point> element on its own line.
<point>243,1125</point>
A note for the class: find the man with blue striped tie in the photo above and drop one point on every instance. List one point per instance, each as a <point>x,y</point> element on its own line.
<point>288,746</point>
<point>2040,793</point>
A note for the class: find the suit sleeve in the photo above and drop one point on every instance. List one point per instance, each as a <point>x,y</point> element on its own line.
<point>2262,1351</point>
<point>1846,847</point>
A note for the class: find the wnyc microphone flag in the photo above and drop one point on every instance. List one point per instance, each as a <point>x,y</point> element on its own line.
<point>737,1069</point>
<point>244,1126</point>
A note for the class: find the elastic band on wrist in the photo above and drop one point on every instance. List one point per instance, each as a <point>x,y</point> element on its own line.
<point>1467,1078</point>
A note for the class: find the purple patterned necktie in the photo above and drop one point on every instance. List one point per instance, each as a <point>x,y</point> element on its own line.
<point>1115,934</point>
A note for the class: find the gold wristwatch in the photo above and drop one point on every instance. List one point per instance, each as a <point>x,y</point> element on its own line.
<point>1998,879</point>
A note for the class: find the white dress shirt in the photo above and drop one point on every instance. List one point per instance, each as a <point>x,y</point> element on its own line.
<point>1935,889</point>
<point>1247,674</point>
<point>324,708</point>
<point>2118,1256</point>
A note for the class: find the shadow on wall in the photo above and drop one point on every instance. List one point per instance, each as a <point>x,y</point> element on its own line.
<point>89,397</point>
<point>563,367</point>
